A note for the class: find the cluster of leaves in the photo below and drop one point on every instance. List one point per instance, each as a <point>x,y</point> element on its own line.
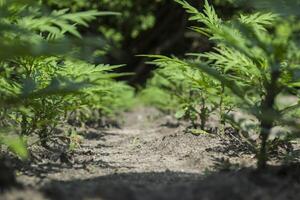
<point>254,65</point>
<point>42,77</point>
<point>190,94</point>
<point>136,17</point>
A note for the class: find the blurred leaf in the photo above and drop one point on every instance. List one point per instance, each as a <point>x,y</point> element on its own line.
<point>16,145</point>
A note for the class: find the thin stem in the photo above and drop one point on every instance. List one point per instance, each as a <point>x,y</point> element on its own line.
<point>267,118</point>
<point>221,110</point>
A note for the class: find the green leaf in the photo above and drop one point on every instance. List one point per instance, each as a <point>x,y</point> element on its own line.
<point>16,145</point>
<point>180,114</point>
<point>197,132</point>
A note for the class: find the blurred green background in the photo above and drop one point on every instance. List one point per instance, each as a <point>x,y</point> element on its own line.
<point>144,27</point>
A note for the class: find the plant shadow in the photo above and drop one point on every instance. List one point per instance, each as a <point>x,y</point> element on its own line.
<point>274,183</point>
<point>57,157</point>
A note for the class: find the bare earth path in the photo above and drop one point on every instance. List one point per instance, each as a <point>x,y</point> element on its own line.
<point>146,159</point>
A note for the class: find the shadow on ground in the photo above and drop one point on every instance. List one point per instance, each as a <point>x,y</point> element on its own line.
<point>277,183</point>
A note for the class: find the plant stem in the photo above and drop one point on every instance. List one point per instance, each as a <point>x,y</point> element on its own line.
<point>203,114</point>
<point>267,117</point>
<point>263,152</point>
<point>221,110</point>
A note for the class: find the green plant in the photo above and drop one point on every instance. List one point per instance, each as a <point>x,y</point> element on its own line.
<point>254,63</point>
<point>191,94</point>
<point>42,77</point>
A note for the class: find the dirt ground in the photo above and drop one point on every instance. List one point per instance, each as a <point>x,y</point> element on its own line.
<point>151,158</point>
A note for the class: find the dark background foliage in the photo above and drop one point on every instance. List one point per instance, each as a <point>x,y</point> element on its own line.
<point>145,27</point>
